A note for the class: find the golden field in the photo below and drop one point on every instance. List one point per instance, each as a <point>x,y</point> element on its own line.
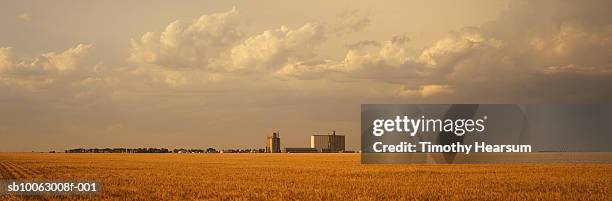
<point>303,177</point>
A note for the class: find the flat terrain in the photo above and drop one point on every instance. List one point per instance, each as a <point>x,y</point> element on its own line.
<point>304,177</point>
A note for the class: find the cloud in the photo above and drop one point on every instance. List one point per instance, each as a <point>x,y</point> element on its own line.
<point>350,21</point>
<point>188,45</point>
<point>363,44</point>
<point>425,91</point>
<point>516,57</point>
<point>528,46</point>
<point>214,43</point>
<point>52,90</point>
<point>6,58</point>
<point>54,80</point>
<point>389,61</point>
<point>25,16</point>
<point>61,78</point>
<point>273,48</point>
<point>494,61</point>
<point>43,70</point>
<point>455,46</point>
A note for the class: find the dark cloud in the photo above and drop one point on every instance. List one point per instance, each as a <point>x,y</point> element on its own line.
<point>361,44</point>
<point>521,56</point>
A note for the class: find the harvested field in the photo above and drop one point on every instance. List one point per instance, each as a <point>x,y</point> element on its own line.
<point>302,176</point>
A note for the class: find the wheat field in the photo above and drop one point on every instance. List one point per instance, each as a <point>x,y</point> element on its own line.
<point>302,177</point>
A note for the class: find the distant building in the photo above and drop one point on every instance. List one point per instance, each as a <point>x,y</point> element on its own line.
<point>273,143</point>
<point>327,143</point>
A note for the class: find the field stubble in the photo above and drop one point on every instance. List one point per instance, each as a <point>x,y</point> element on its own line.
<point>304,177</point>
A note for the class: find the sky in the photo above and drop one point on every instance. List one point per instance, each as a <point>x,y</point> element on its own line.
<point>226,74</point>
